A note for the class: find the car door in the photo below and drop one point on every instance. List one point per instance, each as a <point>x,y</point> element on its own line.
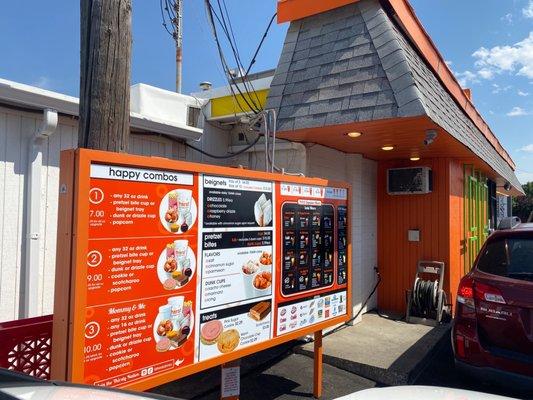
<point>504,297</point>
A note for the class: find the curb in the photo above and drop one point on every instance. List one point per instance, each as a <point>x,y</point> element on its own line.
<point>401,374</point>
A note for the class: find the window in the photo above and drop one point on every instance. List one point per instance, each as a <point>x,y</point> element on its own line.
<point>193,116</point>
<point>508,257</point>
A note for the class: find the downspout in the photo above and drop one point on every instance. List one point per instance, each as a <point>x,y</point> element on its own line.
<point>33,214</point>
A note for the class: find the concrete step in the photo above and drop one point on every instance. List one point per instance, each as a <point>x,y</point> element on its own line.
<point>380,349</point>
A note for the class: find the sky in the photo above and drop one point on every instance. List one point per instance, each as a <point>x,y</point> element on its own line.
<point>487,43</point>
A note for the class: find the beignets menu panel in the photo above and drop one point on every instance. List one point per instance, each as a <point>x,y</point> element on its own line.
<point>177,269</point>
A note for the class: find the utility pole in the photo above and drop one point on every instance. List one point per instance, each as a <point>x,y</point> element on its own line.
<point>105,74</point>
<point>178,37</point>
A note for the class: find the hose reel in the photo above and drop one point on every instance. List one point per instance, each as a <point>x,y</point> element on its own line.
<point>425,302</point>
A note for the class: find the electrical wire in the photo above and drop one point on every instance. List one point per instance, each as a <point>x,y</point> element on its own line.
<point>347,323</point>
<point>252,62</point>
<point>225,156</point>
<point>211,14</point>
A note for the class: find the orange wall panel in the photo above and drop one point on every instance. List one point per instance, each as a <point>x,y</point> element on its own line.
<point>457,234</point>
<point>438,216</point>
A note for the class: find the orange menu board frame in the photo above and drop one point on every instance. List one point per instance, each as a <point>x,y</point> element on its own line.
<point>167,268</point>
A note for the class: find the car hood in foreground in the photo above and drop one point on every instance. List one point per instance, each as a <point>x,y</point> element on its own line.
<point>420,393</point>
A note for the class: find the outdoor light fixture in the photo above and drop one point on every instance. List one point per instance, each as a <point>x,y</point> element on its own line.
<point>387,148</point>
<point>414,158</point>
<point>354,134</point>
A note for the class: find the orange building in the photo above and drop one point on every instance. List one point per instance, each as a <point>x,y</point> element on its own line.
<point>363,77</point>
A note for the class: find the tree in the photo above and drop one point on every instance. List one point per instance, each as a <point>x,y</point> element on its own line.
<point>105,74</point>
<point>523,206</point>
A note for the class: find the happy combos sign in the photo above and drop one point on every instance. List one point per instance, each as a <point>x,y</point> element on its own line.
<point>171,268</point>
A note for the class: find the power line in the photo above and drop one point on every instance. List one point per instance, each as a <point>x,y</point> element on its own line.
<point>252,62</point>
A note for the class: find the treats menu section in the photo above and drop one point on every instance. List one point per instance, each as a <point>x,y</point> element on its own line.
<point>184,266</point>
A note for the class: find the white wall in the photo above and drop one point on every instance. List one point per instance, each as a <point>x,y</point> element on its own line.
<point>361,173</point>
<point>16,127</point>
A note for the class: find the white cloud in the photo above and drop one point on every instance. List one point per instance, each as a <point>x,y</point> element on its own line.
<point>507,18</point>
<point>467,77</point>
<point>524,177</point>
<point>528,148</point>
<point>498,89</point>
<point>516,58</point>
<point>517,112</point>
<point>527,11</point>
<point>42,82</point>
<point>523,94</point>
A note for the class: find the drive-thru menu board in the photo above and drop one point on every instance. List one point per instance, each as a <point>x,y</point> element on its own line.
<point>168,268</point>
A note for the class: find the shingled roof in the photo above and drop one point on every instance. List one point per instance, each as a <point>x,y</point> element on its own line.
<point>353,64</point>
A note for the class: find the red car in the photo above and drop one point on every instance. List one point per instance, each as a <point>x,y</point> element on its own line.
<point>492,335</point>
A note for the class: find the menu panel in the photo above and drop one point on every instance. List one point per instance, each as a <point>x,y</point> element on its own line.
<point>183,267</point>
<point>308,246</point>
<point>141,273</point>
<point>302,313</point>
<point>228,329</point>
<point>237,264</point>
<point>342,244</point>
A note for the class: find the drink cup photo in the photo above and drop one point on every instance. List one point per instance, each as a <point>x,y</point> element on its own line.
<point>184,201</point>
<point>180,249</point>
<point>248,272</point>
<point>165,312</point>
<point>176,306</point>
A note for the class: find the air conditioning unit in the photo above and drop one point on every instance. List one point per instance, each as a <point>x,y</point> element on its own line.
<point>409,180</point>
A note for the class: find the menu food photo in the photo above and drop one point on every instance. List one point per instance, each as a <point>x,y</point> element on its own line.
<point>184,267</point>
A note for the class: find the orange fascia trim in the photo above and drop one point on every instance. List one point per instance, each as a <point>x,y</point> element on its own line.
<point>291,10</point>
<point>429,51</point>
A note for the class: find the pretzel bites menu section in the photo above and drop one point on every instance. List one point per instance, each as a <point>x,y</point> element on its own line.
<point>141,273</point>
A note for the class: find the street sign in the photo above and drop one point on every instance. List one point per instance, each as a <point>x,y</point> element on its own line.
<point>166,268</point>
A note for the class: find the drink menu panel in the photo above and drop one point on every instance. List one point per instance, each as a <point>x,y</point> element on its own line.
<point>308,246</point>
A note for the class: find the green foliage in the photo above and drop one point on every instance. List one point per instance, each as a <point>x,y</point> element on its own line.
<point>523,206</point>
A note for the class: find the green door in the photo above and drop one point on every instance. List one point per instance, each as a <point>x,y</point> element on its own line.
<point>476,214</point>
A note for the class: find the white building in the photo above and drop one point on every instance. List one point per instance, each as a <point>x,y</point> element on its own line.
<point>162,124</point>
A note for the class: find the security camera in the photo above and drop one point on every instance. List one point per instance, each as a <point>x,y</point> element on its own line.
<point>507,186</point>
<point>431,135</point>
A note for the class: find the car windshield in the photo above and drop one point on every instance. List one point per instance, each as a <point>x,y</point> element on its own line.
<point>510,257</point>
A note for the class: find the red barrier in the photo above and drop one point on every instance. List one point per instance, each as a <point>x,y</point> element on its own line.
<point>25,346</point>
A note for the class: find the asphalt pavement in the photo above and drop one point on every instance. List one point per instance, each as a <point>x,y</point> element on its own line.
<point>280,374</point>
<point>440,371</point>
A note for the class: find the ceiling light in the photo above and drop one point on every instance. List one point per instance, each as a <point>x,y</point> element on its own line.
<point>414,158</point>
<point>354,134</point>
<point>387,148</point>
